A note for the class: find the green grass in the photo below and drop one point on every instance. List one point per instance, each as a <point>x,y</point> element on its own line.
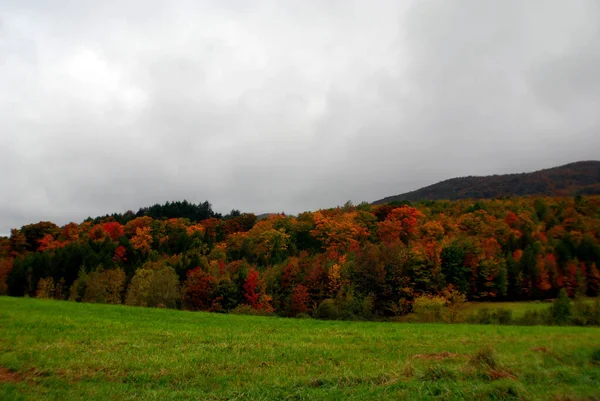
<point>68,351</point>
<point>518,308</point>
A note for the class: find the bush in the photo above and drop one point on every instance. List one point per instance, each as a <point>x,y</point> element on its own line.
<point>484,316</point>
<point>105,286</point>
<point>485,358</point>
<point>585,313</point>
<point>101,286</point>
<point>455,302</point>
<point>429,308</point>
<point>562,311</point>
<point>77,291</point>
<point>326,310</point>
<point>534,318</point>
<point>438,372</point>
<point>245,309</point>
<point>502,316</point>
<point>45,288</point>
<point>156,284</point>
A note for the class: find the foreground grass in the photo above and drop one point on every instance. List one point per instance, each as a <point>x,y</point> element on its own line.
<point>68,351</point>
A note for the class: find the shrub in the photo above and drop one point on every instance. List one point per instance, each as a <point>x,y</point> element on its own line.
<point>485,358</point>
<point>105,286</point>
<point>245,309</point>
<point>585,313</point>
<point>155,284</point>
<point>429,308</point>
<point>367,306</point>
<point>77,290</point>
<point>562,311</point>
<point>484,316</point>
<point>101,286</point>
<point>502,316</point>
<point>45,288</point>
<point>455,302</point>
<point>438,372</point>
<point>532,318</point>
<point>327,310</point>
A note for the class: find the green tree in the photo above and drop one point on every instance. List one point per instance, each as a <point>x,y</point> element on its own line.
<point>562,308</point>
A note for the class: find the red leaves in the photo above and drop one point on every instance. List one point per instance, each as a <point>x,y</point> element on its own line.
<point>299,301</point>
<point>512,220</point>
<point>114,230</point>
<point>401,223</point>
<point>198,290</point>
<point>255,294</point>
<point>5,268</point>
<point>250,286</point>
<point>120,254</point>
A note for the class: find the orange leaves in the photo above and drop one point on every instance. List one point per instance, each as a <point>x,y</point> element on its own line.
<point>491,248</point>
<point>433,230</point>
<point>195,229</point>
<point>340,232</point>
<point>142,239</point>
<point>264,241</point>
<point>401,223</point>
<point>335,279</point>
<point>139,222</point>
<point>542,279</point>
<point>71,232</point>
<point>48,243</point>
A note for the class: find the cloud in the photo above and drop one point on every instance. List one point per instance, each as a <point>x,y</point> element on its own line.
<point>283,106</point>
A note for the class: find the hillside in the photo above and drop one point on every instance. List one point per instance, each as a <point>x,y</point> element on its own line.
<point>575,178</point>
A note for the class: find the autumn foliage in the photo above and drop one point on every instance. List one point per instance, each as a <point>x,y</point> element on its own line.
<point>351,261</point>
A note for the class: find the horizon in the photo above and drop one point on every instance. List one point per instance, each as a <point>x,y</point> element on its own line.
<point>293,214</point>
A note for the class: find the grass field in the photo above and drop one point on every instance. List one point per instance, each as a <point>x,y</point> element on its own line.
<point>518,309</point>
<point>68,351</point>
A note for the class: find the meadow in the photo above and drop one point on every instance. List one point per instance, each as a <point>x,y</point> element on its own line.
<point>60,350</point>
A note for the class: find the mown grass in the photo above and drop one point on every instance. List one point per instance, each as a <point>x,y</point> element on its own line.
<point>68,351</point>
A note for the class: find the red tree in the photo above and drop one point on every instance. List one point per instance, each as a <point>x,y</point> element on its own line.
<point>300,298</point>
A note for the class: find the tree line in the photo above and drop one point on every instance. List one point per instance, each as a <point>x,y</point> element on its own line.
<point>355,261</point>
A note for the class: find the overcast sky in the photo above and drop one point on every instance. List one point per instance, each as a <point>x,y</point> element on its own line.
<point>269,106</point>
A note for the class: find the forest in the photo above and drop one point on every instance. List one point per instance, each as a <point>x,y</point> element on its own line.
<point>354,261</point>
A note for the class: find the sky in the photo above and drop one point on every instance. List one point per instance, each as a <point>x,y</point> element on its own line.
<point>269,106</point>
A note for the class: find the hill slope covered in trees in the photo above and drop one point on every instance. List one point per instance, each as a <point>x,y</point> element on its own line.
<point>580,178</point>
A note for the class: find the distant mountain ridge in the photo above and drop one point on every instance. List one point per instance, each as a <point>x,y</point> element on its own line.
<point>581,177</point>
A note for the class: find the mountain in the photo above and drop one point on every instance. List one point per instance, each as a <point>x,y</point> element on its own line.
<point>571,179</point>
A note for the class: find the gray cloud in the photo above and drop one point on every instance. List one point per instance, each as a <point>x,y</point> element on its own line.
<point>271,106</point>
